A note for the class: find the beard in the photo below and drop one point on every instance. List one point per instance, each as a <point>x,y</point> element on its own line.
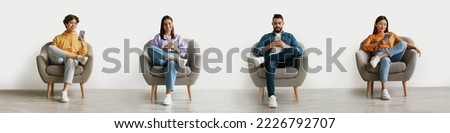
<point>277,29</point>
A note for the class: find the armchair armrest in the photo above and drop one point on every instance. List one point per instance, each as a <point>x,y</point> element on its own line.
<point>44,55</point>
<point>194,57</point>
<point>410,58</point>
<point>42,63</point>
<point>88,67</point>
<point>196,64</point>
<point>144,61</point>
<point>409,54</point>
<point>43,60</point>
<point>301,63</point>
<point>254,62</point>
<point>89,64</point>
<point>362,58</point>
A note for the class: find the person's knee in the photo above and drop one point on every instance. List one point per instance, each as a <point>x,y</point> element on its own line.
<point>51,46</point>
<point>386,60</point>
<point>271,66</point>
<point>293,50</point>
<point>171,64</point>
<point>51,49</point>
<point>298,51</point>
<point>403,44</point>
<point>152,48</point>
<point>71,62</point>
<point>272,63</point>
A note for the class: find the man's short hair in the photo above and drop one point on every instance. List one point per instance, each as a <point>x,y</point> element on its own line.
<point>70,17</point>
<point>277,16</point>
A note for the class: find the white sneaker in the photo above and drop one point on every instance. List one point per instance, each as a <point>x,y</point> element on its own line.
<point>375,60</point>
<point>168,99</point>
<point>82,59</point>
<point>182,62</point>
<point>273,102</point>
<point>64,97</point>
<point>385,95</point>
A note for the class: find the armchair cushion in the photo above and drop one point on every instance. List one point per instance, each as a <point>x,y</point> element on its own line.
<point>158,71</point>
<point>281,73</point>
<point>396,67</point>
<point>58,70</point>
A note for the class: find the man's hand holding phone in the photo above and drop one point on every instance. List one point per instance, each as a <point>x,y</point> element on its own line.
<point>82,32</point>
<point>81,37</point>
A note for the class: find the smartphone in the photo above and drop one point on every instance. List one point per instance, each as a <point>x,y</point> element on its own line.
<point>82,32</point>
<point>387,36</point>
<point>278,37</point>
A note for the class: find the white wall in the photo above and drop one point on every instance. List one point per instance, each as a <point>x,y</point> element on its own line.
<point>26,25</point>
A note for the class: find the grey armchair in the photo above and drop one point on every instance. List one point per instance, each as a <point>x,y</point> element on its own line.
<point>284,77</point>
<point>52,74</point>
<point>399,71</point>
<point>187,75</point>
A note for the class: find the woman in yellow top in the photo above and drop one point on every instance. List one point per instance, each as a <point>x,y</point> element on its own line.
<point>68,49</point>
<point>386,47</point>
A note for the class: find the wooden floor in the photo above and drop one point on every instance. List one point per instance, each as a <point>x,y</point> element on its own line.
<point>227,101</point>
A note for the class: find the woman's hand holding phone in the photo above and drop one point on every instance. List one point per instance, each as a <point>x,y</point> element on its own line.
<point>386,37</point>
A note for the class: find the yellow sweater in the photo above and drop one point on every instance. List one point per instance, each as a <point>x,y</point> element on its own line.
<point>69,42</point>
<point>375,38</point>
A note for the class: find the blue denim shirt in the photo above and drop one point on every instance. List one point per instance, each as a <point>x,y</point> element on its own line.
<point>268,38</point>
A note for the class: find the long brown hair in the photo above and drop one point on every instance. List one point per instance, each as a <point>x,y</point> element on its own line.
<point>161,30</point>
<point>378,20</point>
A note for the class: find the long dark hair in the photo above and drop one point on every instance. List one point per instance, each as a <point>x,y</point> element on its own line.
<point>378,20</point>
<point>161,30</point>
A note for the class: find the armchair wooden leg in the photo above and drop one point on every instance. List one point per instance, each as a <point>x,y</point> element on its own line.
<point>53,88</point>
<point>82,89</point>
<point>296,93</point>
<point>369,92</point>
<point>189,89</point>
<point>371,89</point>
<point>261,94</point>
<point>404,88</point>
<point>49,90</point>
<point>153,93</point>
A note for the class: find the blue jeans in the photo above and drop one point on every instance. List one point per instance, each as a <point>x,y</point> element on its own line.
<point>395,54</point>
<point>159,58</point>
<point>271,62</point>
